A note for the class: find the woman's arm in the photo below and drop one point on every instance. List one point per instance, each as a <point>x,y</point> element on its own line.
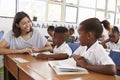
<point>104,69</point>
<point>47,47</point>
<point>5,50</point>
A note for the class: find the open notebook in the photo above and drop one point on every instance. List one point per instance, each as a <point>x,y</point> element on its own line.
<point>67,67</point>
<point>45,52</point>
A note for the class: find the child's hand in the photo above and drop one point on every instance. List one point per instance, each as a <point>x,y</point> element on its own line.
<point>81,62</point>
<point>76,57</point>
<point>35,49</point>
<point>41,56</point>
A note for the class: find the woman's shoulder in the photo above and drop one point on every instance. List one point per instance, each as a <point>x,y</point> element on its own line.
<point>9,33</point>
<point>36,30</point>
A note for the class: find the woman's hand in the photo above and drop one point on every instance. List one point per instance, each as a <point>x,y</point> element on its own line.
<point>26,50</point>
<point>35,49</point>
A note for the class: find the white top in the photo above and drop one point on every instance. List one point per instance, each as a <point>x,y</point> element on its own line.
<point>50,38</point>
<point>37,40</point>
<point>113,46</point>
<point>95,55</point>
<point>64,48</point>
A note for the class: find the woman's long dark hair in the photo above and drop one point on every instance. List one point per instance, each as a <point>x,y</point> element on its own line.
<point>18,17</point>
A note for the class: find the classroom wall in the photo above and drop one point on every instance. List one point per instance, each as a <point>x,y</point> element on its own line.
<point>6,25</point>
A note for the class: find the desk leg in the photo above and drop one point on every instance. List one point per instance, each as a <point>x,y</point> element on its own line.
<point>5,74</point>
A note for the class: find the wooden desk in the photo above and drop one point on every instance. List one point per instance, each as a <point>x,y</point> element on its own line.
<point>41,70</point>
<point>11,65</point>
<point>44,70</point>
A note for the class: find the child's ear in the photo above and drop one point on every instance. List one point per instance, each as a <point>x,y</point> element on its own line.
<point>90,35</point>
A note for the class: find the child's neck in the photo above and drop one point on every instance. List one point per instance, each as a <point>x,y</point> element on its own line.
<point>58,45</point>
<point>90,44</point>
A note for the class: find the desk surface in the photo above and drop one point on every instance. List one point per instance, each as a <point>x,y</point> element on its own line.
<point>41,70</point>
<point>44,70</point>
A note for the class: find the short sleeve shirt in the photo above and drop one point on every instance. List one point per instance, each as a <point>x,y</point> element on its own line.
<point>113,46</point>
<point>95,55</point>
<point>37,40</point>
<point>64,48</point>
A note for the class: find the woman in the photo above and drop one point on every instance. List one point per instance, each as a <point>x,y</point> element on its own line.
<point>23,38</point>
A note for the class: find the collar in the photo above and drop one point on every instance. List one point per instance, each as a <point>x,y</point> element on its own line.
<point>93,46</point>
<point>60,45</point>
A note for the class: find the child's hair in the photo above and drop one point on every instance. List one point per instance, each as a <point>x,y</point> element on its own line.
<point>60,29</point>
<point>50,28</point>
<point>115,29</point>
<point>71,29</point>
<point>107,24</point>
<point>95,26</point>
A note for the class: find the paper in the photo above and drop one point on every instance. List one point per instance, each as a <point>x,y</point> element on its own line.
<point>45,52</point>
<point>66,67</point>
<point>20,60</point>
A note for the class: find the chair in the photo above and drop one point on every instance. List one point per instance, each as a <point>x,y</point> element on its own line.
<point>73,46</point>
<point>115,55</point>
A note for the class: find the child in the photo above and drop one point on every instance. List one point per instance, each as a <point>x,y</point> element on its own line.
<point>71,37</point>
<point>91,55</point>
<point>61,50</point>
<point>113,43</point>
<point>50,31</point>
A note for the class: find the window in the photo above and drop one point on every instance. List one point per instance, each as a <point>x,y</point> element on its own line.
<point>100,15</point>
<point>7,8</point>
<point>71,14</point>
<point>101,4</point>
<point>117,20</point>
<point>111,5</point>
<point>72,1</point>
<point>110,18</point>
<point>87,3</point>
<point>34,8</point>
<point>85,13</point>
<point>54,12</point>
<point>57,0</point>
<point>118,6</point>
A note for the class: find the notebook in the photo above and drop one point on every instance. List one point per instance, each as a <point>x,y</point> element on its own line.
<point>20,60</point>
<point>67,67</point>
<point>45,52</point>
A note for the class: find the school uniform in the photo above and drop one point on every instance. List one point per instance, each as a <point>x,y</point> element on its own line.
<point>95,55</point>
<point>63,48</point>
<point>113,46</point>
<point>50,38</point>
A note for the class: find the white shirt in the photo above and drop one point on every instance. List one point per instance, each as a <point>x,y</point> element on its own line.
<point>50,38</point>
<point>37,40</point>
<point>113,46</point>
<point>95,55</point>
<point>63,48</point>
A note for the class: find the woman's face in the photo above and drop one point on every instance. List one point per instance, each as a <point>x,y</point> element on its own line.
<point>25,25</point>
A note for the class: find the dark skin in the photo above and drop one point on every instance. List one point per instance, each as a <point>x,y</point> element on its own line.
<point>88,39</point>
<point>113,37</point>
<point>58,39</point>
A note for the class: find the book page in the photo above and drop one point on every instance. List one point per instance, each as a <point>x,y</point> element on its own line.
<point>20,60</point>
<point>67,66</point>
